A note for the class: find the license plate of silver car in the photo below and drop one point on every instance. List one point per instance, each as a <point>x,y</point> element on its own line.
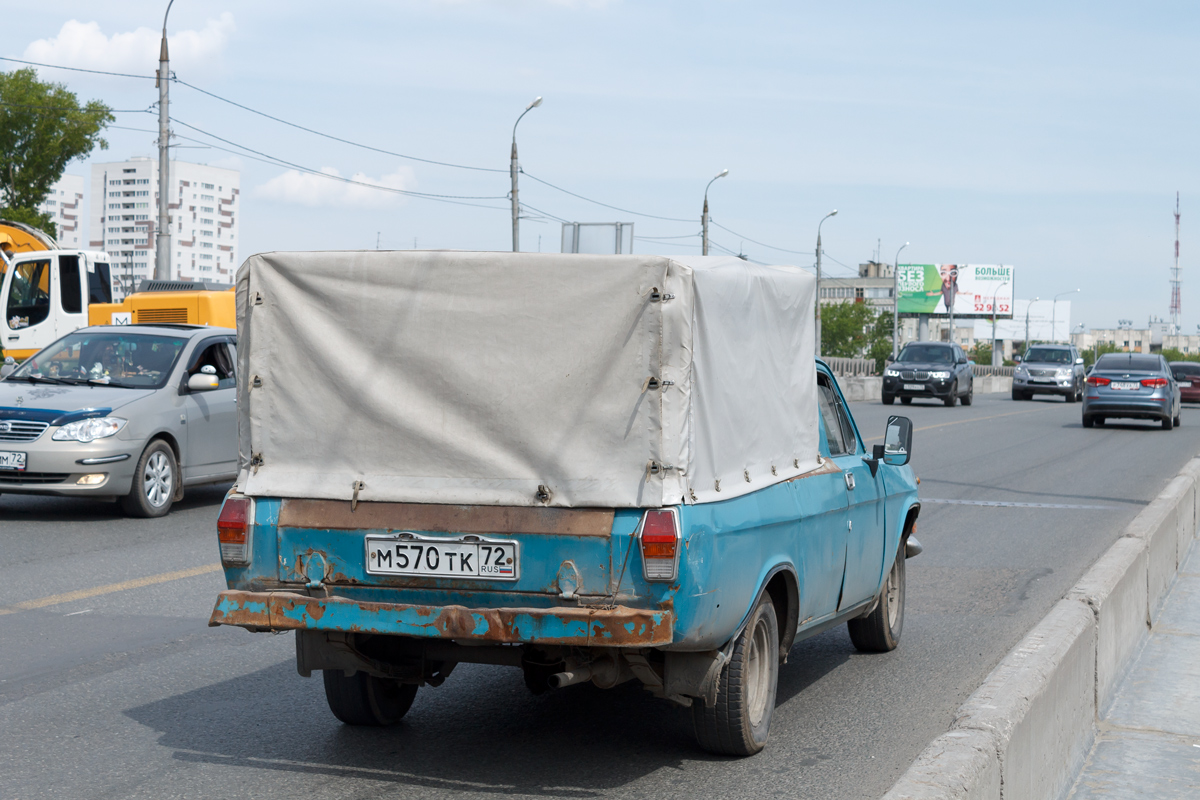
<point>11,460</point>
<point>423,556</point>
<point>1125,384</point>
<point>914,387</point>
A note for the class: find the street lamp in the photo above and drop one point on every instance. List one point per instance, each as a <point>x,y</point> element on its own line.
<point>818,314</point>
<point>895,302</point>
<point>1028,308</point>
<point>998,288</point>
<point>1054,313</point>
<point>704,214</point>
<point>162,236</point>
<point>513,168</point>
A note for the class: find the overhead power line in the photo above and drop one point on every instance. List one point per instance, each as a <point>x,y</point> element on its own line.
<point>331,136</point>
<point>79,69</point>
<point>761,244</point>
<point>606,205</point>
<point>74,108</point>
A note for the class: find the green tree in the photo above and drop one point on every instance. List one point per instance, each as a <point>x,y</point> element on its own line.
<point>854,330</point>
<point>42,129</point>
<point>1091,354</point>
<point>982,353</point>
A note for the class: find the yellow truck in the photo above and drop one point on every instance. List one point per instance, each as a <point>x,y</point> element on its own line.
<point>48,292</point>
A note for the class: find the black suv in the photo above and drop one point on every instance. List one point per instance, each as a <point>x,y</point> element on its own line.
<point>938,370</point>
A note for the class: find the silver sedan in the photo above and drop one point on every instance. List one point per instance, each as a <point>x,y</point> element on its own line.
<point>128,412</point>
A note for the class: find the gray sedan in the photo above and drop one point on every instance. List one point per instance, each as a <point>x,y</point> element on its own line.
<point>1132,386</point>
<point>127,412</point>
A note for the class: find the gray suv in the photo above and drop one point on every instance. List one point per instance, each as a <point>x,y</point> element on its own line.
<point>127,412</point>
<point>1049,369</point>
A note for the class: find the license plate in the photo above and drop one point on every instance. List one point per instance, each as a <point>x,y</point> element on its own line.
<point>11,460</point>
<point>1125,384</point>
<point>1185,384</point>
<point>914,387</point>
<point>468,557</point>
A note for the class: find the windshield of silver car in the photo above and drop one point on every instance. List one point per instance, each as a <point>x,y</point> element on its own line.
<point>128,359</point>
<point>1048,355</point>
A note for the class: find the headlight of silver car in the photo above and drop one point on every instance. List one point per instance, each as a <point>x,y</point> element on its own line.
<point>892,373</point>
<point>1063,372</point>
<point>88,430</point>
<point>1021,372</point>
<point>939,376</point>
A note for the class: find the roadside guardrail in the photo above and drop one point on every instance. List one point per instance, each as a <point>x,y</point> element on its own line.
<point>848,367</point>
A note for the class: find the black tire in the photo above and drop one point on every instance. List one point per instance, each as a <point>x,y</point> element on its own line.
<point>1168,423</point>
<point>952,398</point>
<point>1099,421</point>
<point>969,397</point>
<point>740,721</point>
<point>879,631</point>
<point>1016,395</point>
<point>1088,421</point>
<point>155,482</point>
<point>906,400</point>
<point>1178,419</point>
<point>888,399</point>
<point>363,699</point>
<point>1072,397</point>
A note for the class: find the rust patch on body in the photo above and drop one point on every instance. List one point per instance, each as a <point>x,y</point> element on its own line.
<point>336,515</point>
<point>826,468</point>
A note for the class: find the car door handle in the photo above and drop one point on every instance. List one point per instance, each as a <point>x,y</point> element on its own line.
<point>850,481</point>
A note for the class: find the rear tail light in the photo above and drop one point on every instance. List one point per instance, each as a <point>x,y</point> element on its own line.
<point>1154,382</point>
<point>660,545</point>
<point>233,530</point>
<point>1096,380</point>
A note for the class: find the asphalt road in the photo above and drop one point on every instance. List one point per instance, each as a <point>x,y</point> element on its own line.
<point>125,692</point>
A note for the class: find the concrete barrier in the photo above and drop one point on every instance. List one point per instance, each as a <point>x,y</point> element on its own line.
<point>1026,731</point>
<point>870,387</point>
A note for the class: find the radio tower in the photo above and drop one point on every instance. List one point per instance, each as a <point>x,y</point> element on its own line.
<point>1175,274</point>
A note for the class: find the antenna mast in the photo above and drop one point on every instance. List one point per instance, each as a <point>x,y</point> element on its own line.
<point>1175,274</point>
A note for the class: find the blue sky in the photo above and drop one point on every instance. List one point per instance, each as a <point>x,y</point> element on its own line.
<point>1050,137</point>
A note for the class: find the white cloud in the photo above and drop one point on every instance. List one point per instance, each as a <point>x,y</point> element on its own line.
<point>306,189</point>
<point>83,44</point>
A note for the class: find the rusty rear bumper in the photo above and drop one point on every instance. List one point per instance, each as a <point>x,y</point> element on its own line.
<point>581,627</point>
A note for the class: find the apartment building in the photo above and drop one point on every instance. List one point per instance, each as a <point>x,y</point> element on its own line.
<point>63,204</point>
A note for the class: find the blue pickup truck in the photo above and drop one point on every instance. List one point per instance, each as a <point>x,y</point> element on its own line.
<point>610,491</point>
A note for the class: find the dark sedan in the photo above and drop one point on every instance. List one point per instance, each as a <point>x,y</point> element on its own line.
<point>1132,386</point>
<point>1187,375</point>
<point>936,370</point>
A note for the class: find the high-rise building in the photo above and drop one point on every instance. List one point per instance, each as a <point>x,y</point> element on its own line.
<point>204,211</point>
<point>63,205</point>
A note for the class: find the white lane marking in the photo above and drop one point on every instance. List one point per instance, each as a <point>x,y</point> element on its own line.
<point>1014,504</point>
<point>77,613</point>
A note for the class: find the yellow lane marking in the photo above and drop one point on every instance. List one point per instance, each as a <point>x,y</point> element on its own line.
<point>80,594</point>
<point>972,419</point>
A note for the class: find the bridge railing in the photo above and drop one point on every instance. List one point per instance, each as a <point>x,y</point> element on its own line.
<point>844,367</point>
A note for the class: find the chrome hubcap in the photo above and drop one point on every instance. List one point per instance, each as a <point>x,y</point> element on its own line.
<point>157,479</point>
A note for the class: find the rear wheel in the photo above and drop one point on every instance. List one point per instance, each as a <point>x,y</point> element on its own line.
<point>969,397</point>
<point>1168,423</point>
<point>879,631</point>
<point>363,699</point>
<point>1088,421</point>
<point>1178,419</point>
<point>888,399</point>
<point>738,724</point>
<point>906,400</point>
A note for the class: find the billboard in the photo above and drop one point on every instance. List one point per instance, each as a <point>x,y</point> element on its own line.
<point>928,288</point>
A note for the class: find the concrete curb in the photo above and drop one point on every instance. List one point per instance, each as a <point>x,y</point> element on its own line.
<point>870,387</point>
<point>1027,730</point>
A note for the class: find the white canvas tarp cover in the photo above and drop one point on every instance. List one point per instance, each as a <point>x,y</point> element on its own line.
<point>476,378</point>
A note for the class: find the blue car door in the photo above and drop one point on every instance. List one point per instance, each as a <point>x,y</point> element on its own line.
<point>865,495</point>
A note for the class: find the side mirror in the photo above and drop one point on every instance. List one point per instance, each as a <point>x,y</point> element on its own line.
<point>1079,361</point>
<point>10,366</point>
<point>202,382</point>
<point>897,441</point>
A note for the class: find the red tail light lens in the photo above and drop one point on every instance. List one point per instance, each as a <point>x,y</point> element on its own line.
<point>233,530</point>
<point>1154,382</point>
<point>660,545</point>
<point>1096,380</point>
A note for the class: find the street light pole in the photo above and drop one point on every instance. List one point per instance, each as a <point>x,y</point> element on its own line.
<point>704,215</point>
<point>818,311</point>
<point>998,288</point>
<point>895,303</point>
<point>514,168</point>
<point>162,236</point>
<point>1054,314</point>
<point>1028,308</point>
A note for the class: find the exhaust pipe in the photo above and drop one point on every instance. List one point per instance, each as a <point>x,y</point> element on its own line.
<point>568,677</point>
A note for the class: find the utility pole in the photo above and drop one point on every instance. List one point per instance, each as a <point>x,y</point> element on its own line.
<point>817,315</point>
<point>514,168</point>
<point>1175,303</point>
<point>896,304</point>
<point>1028,308</point>
<point>162,236</point>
